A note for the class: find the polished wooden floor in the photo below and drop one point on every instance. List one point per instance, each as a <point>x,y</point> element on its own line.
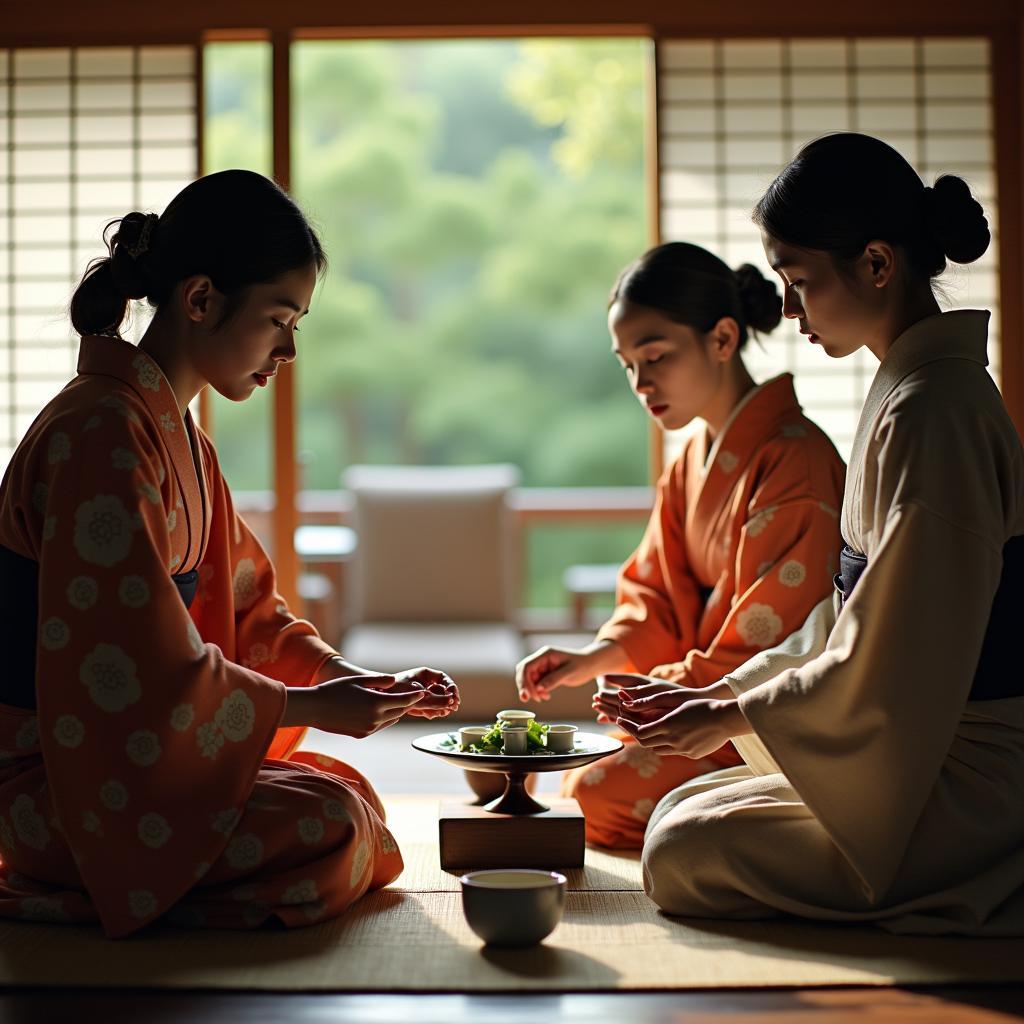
<point>802,1006</point>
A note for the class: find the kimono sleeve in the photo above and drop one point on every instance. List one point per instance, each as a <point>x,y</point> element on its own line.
<point>658,601</point>
<point>784,565</point>
<point>151,739</point>
<point>268,637</point>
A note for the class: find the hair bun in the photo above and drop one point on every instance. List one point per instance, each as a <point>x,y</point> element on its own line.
<point>129,249</point>
<point>956,220</point>
<point>759,298</point>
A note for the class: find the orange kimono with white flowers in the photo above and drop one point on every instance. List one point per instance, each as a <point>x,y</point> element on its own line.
<point>142,771</point>
<point>742,543</point>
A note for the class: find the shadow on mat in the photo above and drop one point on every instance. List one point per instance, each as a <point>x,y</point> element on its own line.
<point>548,963</point>
<point>824,942</point>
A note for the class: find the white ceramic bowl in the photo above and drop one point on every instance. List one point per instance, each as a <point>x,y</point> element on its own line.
<point>513,906</point>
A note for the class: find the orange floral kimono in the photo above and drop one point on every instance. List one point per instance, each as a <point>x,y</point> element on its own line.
<point>743,542</point>
<point>142,771</point>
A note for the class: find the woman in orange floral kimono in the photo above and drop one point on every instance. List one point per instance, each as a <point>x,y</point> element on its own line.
<point>156,685</point>
<point>744,536</point>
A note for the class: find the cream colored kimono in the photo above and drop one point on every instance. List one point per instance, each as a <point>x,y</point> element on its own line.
<point>873,787</point>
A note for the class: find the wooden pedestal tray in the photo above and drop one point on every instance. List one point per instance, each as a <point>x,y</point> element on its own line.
<point>515,830</point>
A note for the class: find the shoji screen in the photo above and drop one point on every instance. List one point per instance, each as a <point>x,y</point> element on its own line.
<point>732,113</point>
<point>86,135</point>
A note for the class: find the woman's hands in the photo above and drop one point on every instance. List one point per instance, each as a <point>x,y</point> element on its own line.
<point>550,667</point>
<point>355,703</point>
<point>690,722</point>
<point>351,706</point>
<point>607,700</point>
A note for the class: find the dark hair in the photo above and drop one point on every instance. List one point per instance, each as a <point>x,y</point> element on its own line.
<point>692,286</point>
<point>843,190</point>
<point>237,227</point>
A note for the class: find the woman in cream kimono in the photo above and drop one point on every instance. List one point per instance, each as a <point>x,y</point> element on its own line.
<point>744,535</point>
<point>155,685</point>
<point>884,741</point>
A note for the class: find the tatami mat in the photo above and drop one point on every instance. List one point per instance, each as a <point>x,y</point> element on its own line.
<point>412,937</point>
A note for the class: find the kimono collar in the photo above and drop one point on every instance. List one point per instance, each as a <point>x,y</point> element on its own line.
<point>114,357</point>
<point>752,420</point>
<point>958,334</point>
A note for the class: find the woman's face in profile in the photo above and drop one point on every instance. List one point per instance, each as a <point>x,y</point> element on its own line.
<point>667,363</point>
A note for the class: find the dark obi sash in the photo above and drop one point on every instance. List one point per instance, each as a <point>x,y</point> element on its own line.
<point>19,623</point>
<point>999,673</point>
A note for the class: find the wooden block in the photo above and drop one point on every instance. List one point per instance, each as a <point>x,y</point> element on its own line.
<point>471,837</point>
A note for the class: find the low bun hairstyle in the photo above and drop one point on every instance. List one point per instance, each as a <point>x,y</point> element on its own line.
<point>692,286</point>
<point>843,190</point>
<point>237,227</point>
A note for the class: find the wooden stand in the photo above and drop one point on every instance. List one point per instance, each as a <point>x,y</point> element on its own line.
<point>471,837</point>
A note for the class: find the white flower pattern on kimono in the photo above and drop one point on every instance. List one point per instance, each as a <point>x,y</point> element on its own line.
<point>259,654</point>
<point>792,573</point>
<point>122,458</point>
<point>83,592</point>
<point>758,523</point>
<point>172,520</point>
<point>643,809</point>
<point>54,634</point>
<point>133,591</point>
<point>69,731</point>
<point>150,493</point>
<point>646,763</point>
<point>224,822</point>
<point>335,810</point>
<point>59,448</point>
<point>49,527</point>
<point>594,776</point>
<point>168,423</point>
<point>301,892</point>
<point>182,717</point>
<point>235,716</point>
<point>360,862</point>
<point>311,830</point>
<point>153,830</point>
<point>210,740</point>
<point>143,748</point>
<point>110,677</point>
<point>245,851</point>
<point>92,423</point>
<point>244,584</point>
<point>29,825</point>
<point>113,795</point>
<point>28,734</point>
<point>758,626</point>
<point>121,407</point>
<point>148,375</point>
<point>44,908</point>
<point>387,842</point>
<point>141,903</point>
<point>91,823</point>
<point>727,460</point>
<point>103,530</point>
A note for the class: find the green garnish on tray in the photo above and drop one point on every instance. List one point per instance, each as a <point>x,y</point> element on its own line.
<point>491,743</point>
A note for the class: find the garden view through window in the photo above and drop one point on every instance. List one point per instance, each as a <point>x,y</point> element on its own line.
<point>476,200</point>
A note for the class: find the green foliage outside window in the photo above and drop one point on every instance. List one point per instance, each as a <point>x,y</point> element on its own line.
<point>476,199</point>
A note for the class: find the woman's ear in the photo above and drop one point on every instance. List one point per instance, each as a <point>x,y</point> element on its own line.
<point>723,339</point>
<point>196,293</point>
<point>879,262</point>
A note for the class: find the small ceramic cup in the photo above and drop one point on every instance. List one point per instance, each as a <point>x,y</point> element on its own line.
<point>513,738</point>
<point>471,734</point>
<point>561,739</point>
<point>513,907</point>
<point>516,716</point>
